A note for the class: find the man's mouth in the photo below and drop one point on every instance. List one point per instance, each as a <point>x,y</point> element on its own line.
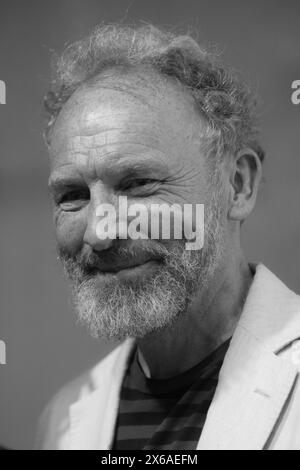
<point>126,267</point>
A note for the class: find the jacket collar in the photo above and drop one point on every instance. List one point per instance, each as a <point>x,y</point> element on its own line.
<point>272,311</point>
<point>254,382</point>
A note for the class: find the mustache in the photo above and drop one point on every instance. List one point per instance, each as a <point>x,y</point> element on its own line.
<point>89,261</point>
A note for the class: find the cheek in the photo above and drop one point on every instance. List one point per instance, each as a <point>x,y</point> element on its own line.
<point>70,229</point>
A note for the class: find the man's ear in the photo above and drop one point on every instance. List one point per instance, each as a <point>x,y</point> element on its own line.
<point>245,177</point>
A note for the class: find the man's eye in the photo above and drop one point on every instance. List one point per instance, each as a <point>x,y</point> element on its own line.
<point>73,199</point>
<point>138,183</point>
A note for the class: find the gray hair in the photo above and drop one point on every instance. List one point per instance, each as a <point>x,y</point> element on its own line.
<point>226,103</point>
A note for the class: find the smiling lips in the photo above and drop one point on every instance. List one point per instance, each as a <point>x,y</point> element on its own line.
<point>120,265</point>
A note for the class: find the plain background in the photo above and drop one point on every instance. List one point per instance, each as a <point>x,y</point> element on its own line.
<point>45,347</point>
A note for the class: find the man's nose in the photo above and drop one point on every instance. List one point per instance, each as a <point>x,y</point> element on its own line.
<point>100,196</point>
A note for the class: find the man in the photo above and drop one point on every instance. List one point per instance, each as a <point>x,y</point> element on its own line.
<point>209,357</point>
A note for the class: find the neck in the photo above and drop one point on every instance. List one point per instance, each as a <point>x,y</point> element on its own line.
<point>208,322</point>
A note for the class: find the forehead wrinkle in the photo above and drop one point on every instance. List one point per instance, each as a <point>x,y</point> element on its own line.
<point>107,155</point>
<point>87,143</point>
<point>123,163</point>
<point>110,163</point>
<point>94,121</point>
<point>88,133</point>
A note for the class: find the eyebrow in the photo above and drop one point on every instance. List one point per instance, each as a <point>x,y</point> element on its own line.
<point>118,167</point>
<point>132,169</point>
<point>60,182</point>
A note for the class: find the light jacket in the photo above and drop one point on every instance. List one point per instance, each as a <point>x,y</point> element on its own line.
<point>257,401</point>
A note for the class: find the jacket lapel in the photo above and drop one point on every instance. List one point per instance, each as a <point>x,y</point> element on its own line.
<point>93,418</point>
<point>254,382</point>
<point>253,387</point>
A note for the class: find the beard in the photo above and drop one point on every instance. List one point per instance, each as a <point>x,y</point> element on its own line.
<point>115,309</point>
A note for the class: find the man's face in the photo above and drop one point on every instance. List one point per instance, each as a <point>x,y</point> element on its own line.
<point>126,137</point>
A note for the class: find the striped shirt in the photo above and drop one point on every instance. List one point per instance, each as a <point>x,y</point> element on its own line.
<point>166,414</point>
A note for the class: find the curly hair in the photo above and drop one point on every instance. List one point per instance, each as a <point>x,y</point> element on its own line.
<point>227,104</point>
